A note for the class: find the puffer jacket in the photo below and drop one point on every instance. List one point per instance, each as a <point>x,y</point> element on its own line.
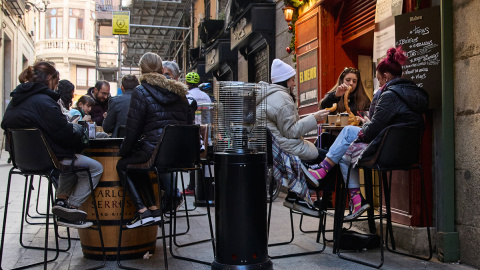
<point>155,103</point>
<point>285,123</point>
<point>34,105</point>
<point>401,103</point>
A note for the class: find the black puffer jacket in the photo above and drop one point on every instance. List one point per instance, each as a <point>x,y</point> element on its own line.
<point>155,103</point>
<point>401,103</point>
<point>34,105</point>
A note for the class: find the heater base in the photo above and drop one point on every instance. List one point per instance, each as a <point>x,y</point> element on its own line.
<point>268,265</point>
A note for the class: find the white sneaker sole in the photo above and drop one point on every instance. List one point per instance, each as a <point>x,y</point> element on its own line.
<point>83,226</point>
<point>357,214</point>
<point>310,179</point>
<point>306,210</point>
<point>142,222</point>
<point>69,214</point>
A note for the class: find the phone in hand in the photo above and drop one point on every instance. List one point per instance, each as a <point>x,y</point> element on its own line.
<point>75,117</point>
<point>362,114</point>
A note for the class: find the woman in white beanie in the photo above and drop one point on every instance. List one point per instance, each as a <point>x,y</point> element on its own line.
<point>283,119</point>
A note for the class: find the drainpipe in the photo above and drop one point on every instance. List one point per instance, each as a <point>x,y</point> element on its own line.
<point>447,237</point>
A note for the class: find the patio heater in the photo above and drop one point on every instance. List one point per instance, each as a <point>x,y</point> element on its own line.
<point>240,175</point>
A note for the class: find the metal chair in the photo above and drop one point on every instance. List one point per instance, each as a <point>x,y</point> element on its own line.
<point>321,217</point>
<point>31,155</point>
<point>399,150</point>
<point>178,150</point>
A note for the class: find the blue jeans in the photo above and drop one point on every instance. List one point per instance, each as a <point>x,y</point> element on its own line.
<point>76,186</point>
<point>339,148</point>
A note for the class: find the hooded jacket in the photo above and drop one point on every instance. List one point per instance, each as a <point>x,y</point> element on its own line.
<point>285,123</point>
<point>401,103</point>
<point>155,103</point>
<point>34,105</point>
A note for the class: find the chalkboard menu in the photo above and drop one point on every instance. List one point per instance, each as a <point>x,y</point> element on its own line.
<point>418,33</point>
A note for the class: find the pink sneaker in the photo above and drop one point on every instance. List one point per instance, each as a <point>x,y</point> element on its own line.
<point>358,208</point>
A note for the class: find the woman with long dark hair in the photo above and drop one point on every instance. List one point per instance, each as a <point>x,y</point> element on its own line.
<point>358,99</point>
<point>66,90</point>
<point>34,105</point>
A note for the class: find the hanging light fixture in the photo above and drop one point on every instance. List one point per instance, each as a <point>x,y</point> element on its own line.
<point>288,13</point>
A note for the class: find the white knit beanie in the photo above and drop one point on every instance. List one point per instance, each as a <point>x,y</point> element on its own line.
<point>281,71</point>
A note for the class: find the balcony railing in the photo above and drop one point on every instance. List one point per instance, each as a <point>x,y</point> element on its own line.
<point>83,48</point>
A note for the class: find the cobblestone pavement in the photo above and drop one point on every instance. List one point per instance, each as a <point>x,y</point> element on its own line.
<point>15,256</point>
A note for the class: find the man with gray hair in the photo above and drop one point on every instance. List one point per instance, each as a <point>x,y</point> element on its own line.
<point>118,107</point>
<point>171,69</point>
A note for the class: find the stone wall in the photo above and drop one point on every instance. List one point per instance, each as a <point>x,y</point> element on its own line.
<point>467,127</point>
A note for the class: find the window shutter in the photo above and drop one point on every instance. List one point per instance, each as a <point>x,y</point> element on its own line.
<point>357,18</point>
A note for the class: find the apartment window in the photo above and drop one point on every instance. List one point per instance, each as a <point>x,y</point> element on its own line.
<point>76,25</point>
<point>54,18</point>
<point>85,77</point>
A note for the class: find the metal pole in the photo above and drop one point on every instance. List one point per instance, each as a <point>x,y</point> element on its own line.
<point>448,240</point>
<point>119,73</point>
<point>160,26</point>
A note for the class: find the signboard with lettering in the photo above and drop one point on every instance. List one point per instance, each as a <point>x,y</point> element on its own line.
<point>308,78</point>
<point>418,33</point>
<point>121,22</point>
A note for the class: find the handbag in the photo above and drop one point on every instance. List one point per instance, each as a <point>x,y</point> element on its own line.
<point>351,240</point>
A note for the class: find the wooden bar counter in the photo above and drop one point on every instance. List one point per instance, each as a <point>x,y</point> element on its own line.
<point>108,193</point>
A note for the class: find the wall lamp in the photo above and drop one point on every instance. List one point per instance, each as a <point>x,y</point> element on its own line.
<point>288,13</point>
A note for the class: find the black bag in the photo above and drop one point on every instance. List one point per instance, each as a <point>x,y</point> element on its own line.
<point>351,240</point>
<point>80,133</point>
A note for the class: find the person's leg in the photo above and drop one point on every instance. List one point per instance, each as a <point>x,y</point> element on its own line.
<point>359,204</point>
<point>335,153</point>
<point>82,190</point>
<point>143,216</point>
<point>128,181</point>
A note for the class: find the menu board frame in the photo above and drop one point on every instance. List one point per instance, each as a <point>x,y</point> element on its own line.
<point>419,34</point>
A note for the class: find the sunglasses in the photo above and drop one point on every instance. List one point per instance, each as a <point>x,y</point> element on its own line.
<point>350,70</point>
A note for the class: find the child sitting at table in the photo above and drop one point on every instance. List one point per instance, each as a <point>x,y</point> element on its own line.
<point>83,108</point>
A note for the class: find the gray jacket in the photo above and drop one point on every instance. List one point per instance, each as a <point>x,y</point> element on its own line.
<point>117,113</point>
<point>285,123</point>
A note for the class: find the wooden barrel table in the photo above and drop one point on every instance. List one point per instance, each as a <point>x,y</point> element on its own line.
<point>108,194</point>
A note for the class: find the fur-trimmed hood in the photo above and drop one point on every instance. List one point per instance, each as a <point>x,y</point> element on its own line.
<point>162,82</point>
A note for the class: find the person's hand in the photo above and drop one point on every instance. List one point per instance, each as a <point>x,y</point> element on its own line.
<point>76,120</point>
<point>320,115</point>
<point>364,119</point>
<point>341,89</point>
<point>87,118</point>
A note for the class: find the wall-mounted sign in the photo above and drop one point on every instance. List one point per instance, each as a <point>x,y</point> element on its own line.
<point>240,32</point>
<point>419,35</point>
<point>121,23</point>
<point>308,78</point>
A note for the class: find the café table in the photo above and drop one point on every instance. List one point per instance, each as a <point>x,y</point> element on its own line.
<point>108,193</point>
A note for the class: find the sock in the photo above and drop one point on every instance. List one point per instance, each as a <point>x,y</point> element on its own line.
<point>357,203</point>
<point>323,170</point>
<point>353,192</point>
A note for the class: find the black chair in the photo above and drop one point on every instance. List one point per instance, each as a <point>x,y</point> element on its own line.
<point>178,150</point>
<point>321,217</point>
<point>31,155</point>
<point>399,150</point>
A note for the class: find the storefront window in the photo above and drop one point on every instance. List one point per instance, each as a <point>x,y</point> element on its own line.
<point>76,18</point>
<point>54,23</point>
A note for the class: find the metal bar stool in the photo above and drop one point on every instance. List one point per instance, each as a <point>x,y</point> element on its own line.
<point>31,155</point>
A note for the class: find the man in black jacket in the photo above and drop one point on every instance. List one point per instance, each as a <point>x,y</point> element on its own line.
<point>118,106</point>
<point>34,105</point>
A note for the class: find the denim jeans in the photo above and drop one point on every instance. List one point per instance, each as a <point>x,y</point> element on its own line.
<point>339,148</point>
<point>76,186</point>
